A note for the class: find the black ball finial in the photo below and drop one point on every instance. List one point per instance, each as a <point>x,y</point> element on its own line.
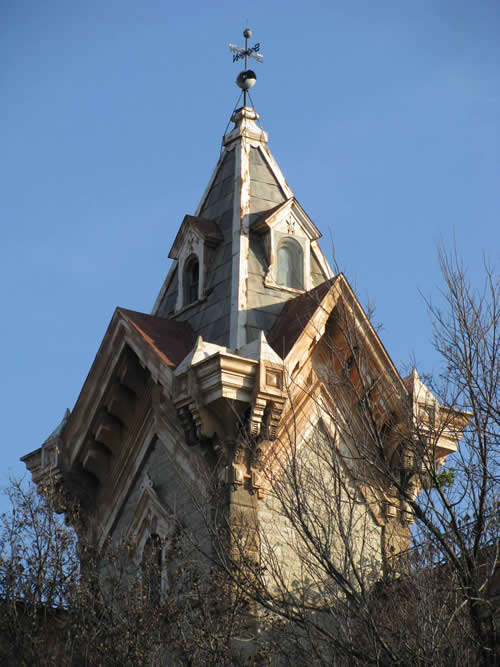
<point>247,33</point>
<point>246,79</point>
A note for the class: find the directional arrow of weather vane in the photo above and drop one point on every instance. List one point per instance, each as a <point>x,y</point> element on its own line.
<point>247,52</point>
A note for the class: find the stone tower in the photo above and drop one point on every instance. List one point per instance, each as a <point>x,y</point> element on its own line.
<point>232,359</point>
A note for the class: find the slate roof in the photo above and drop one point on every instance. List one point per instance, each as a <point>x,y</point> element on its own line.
<point>172,340</point>
<point>293,318</point>
<point>258,223</point>
<point>259,190</point>
<point>211,317</point>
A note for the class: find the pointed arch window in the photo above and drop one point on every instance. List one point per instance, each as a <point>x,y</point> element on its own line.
<point>151,568</point>
<point>191,280</point>
<point>291,264</point>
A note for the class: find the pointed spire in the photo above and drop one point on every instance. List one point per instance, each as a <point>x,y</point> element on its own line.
<point>251,212</point>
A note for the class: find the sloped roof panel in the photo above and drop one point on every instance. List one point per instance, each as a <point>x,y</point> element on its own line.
<point>172,340</point>
<point>293,318</point>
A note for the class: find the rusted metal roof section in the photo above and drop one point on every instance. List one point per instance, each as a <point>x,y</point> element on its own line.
<point>171,339</point>
<point>207,230</point>
<point>295,315</point>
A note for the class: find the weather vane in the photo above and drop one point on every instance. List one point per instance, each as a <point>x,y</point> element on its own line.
<point>247,78</point>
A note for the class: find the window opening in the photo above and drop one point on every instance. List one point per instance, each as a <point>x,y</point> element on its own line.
<point>291,264</point>
<point>151,568</point>
<point>191,281</point>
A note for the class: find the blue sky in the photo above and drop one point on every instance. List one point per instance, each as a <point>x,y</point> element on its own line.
<point>383,116</point>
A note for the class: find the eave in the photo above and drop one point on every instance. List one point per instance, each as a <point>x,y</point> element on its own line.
<point>271,217</point>
<point>95,449</point>
<point>206,230</point>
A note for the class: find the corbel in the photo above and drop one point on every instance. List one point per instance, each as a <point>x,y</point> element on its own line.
<point>121,403</point>
<point>273,419</point>
<point>108,430</point>
<point>268,401</point>
<point>96,460</point>
<point>188,405</point>
<point>257,414</point>
<point>195,404</point>
<point>132,375</point>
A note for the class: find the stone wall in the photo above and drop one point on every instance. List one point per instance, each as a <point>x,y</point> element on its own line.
<point>336,514</point>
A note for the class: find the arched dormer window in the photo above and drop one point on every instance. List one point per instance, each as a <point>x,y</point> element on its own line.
<point>191,280</point>
<point>291,264</point>
<point>151,568</point>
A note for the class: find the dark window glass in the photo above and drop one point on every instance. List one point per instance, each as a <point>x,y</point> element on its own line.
<point>151,569</point>
<point>291,264</point>
<point>191,281</point>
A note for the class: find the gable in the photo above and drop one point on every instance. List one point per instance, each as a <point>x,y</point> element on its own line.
<point>113,423</point>
<point>161,497</point>
<point>288,217</point>
<point>194,230</point>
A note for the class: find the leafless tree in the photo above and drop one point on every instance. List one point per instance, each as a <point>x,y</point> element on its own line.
<point>39,571</point>
<point>323,573</point>
<point>350,487</point>
<point>113,612</point>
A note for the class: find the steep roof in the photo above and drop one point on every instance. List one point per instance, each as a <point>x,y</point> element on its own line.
<point>293,318</point>
<point>171,339</point>
<point>246,197</point>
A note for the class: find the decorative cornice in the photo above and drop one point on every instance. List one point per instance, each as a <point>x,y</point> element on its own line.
<point>258,383</point>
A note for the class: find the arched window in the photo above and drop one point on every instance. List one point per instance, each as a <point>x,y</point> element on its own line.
<point>291,264</point>
<point>191,280</point>
<point>151,568</point>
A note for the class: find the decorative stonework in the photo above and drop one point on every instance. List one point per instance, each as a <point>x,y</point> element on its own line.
<point>150,518</point>
<point>44,463</point>
<point>205,380</point>
<point>247,477</point>
<point>223,410</point>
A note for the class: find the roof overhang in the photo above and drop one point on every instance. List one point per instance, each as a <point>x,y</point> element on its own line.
<point>276,215</point>
<point>207,231</point>
<point>138,353</point>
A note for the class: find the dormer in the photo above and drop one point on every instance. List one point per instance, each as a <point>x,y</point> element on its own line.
<point>291,245</point>
<point>193,249</point>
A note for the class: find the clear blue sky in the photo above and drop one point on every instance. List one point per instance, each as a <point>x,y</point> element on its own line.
<point>384,117</point>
